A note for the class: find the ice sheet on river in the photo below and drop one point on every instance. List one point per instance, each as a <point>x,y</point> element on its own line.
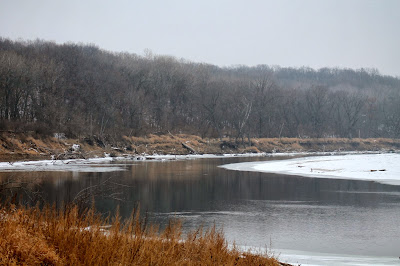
<point>73,165</point>
<point>296,257</point>
<point>382,168</point>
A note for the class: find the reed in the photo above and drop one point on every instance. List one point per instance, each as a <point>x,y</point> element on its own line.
<point>33,236</point>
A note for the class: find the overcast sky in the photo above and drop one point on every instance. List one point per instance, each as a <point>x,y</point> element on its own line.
<point>315,33</point>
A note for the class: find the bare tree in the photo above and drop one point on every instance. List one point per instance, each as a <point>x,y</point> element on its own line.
<point>316,108</point>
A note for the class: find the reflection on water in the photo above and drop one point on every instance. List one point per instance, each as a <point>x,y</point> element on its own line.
<point>254,209</point>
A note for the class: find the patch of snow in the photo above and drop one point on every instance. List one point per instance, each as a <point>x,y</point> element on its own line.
<point>75,147</point>
<point>381,168</point>
<point>201,156</point>
<point>72,165</point>
<point>298,257</point>
<point>313,258</point>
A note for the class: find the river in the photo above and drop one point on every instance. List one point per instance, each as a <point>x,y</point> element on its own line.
<point>304,220</point>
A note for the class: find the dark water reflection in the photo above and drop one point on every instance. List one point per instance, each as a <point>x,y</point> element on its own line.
<point>310,214</point>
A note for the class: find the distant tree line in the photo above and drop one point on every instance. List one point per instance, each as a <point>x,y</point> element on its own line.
<point>82,90</point>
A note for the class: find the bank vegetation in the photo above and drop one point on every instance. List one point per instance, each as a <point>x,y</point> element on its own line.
<point>72,237</point>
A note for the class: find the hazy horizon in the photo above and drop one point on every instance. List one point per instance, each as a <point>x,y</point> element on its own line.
<point>346,34</point>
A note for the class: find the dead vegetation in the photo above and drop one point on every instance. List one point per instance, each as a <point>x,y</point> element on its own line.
<point>69,237</point>
<point>20,146</point>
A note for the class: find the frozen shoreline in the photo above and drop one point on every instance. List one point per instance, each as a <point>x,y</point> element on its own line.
<point>381,168</point>
<point>70,165</point>
<point>103,164</point>
<point>298,257</point>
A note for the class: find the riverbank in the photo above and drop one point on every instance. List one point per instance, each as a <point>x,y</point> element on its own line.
<point>21,146</point>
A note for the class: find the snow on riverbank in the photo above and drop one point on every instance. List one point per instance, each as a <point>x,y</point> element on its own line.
<point>103,164</point>
<point>73,165</point>
<point>296,257</point>
<point>109,164</point>
<point>382,168</point>
<point>305,258</point>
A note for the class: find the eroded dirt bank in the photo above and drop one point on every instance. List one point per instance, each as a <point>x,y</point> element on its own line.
<point>22,146</point>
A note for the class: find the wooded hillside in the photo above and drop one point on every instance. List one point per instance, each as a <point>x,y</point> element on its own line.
<point>81,90</point>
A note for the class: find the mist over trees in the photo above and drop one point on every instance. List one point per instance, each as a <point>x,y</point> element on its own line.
<point>81,90</point>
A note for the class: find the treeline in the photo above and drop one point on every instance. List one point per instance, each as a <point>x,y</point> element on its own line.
<point>81,90</point>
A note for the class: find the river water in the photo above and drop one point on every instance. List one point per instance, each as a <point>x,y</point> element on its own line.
<point>303,220</point>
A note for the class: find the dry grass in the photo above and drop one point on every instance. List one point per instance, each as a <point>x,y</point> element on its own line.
<point>19,146</point>
<point>67,237</point>
<point>251,149</point>
<point>325,144</point>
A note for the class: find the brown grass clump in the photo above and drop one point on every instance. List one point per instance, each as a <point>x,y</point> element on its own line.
<point>251,149</point>
<point>67,237</point>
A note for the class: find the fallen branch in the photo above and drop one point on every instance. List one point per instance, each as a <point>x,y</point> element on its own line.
<point>190,149</point>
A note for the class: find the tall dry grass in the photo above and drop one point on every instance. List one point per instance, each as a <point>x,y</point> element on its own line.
<point>67,237</point>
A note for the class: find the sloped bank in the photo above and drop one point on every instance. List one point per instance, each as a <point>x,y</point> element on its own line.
<point>22,146</point>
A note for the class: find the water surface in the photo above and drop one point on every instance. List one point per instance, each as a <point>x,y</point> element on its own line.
<point>299,216</point>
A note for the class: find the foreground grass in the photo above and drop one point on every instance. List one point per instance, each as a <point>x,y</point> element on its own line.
<point>67,237</point>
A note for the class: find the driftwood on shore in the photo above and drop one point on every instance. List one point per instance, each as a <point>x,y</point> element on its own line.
<point>190,149</point>
<point>69,155</point>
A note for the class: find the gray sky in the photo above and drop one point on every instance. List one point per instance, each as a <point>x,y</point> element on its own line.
<point>315,33</point>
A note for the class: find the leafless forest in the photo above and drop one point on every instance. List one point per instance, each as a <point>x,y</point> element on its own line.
<point>82,90</point>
